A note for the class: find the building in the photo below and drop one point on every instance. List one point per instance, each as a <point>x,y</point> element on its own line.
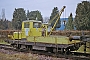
<point>63,22</point>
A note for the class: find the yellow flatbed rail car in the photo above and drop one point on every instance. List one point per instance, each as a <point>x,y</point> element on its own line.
<point>34,35</point>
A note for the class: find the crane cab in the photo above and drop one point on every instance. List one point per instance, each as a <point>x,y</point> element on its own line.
<point>29,28</point>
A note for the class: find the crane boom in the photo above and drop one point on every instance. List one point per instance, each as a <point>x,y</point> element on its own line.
<point>62,10</point>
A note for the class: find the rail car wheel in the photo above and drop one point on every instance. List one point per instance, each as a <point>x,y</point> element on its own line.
<point>55,50</point>
<point>49,49</point>
<point>62,50</point>
<point>29,47</point>
<point>23,48</point>
<point>67,51</point>
<point>17,46</point>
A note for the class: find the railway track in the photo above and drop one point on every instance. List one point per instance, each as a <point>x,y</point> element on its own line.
<point>73,57</point>
<point>6,47</point>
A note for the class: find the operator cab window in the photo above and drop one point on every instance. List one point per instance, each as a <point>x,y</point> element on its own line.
<point>26,25</point>
<point>36,25</point>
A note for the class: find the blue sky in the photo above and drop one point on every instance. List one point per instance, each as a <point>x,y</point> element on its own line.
<point>44,6</point>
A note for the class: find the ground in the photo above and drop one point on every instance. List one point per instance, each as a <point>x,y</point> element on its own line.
<point>14,55</point>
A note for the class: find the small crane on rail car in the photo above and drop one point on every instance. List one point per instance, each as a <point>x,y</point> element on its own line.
<point>31,38</point>
<point>34,28</point>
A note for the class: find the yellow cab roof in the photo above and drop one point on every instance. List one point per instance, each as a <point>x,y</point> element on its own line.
<point>32,21</point>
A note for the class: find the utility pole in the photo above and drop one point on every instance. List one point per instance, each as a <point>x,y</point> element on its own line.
<point>0,17</point>
<point>3,14</point>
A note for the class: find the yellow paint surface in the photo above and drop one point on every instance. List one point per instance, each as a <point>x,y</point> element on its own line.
<point>52,40</point>
<point>81,49</point>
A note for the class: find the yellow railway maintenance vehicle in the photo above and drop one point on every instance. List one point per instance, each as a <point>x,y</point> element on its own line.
<point>34,35</point>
